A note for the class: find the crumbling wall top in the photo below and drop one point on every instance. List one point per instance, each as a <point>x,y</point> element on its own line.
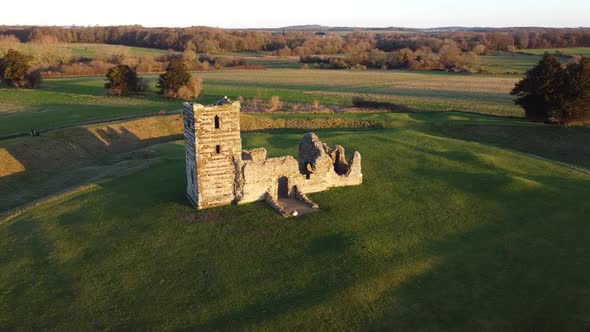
<point>258,154</point>
<point>313,155</point>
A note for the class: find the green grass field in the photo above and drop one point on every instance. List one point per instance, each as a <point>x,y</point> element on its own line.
<point>506,62</point>
<point>497,63</point>
<point>274,62</point>
<point>520,62</point>
<point>89,50</point>
<point>584,51</point>
<point>68,102</point>
<point>416,90</point>
<point>457,226</point>
<point>445,234</point>
<point>71,101</point>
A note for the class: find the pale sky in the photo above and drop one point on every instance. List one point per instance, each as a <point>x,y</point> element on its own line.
<point>272,14</point>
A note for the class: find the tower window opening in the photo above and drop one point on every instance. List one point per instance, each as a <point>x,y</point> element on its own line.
<point>308,171</point>
<point>218,149</point>
<point>217,122</point>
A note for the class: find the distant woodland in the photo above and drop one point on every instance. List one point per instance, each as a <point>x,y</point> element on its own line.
<point>444,49</point>
<point>213,40</point>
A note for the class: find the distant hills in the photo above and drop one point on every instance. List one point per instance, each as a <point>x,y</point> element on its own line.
<point>323,28</point>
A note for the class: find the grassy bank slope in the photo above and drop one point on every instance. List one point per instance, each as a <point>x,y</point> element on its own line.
<point>34,167</point>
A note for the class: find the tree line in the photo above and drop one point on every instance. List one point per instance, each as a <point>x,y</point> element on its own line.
<point>208,40</point>
<point>448,56</point>
<point>550,92</point>
<point>55,59</point>
<point>176,82</point>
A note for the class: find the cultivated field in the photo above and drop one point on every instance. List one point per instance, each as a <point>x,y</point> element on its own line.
<point>71,101</point>
<point>419,91</point>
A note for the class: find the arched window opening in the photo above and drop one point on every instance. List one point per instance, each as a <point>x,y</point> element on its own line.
<point>217,122</point>
<point>218,149</point>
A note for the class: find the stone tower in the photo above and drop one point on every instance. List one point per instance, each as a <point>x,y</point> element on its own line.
<point>213,149</point>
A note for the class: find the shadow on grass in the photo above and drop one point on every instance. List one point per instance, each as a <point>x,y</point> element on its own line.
<point>522,265</point>
<point>509,256</point>
<point>58,262</point>
<point>563,144</point>
<point>329,280</point>
<point>524,268</point>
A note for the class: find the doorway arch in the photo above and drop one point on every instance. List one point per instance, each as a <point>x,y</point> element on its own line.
<point>283,191</point>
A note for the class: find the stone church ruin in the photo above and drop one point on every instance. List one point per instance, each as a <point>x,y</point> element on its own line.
<point>219,173</point>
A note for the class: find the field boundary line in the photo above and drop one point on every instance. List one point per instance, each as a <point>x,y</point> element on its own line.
<point>18,211</point>
<point>580,169</point>
<point>560,163</point>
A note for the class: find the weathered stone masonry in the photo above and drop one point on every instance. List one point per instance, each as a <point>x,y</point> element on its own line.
<point>219,172</point>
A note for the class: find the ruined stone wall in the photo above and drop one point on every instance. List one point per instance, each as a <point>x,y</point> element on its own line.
<point>219,172</point>
<point>190,154</point>
<point>261,176</point>
<point>325,168</point>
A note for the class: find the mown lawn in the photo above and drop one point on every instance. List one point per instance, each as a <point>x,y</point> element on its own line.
<point>72,101</point>
<point>444,234</point>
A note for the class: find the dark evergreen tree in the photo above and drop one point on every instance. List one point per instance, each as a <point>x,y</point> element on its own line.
<point>175,77</point>
<point>122,80</point>
<point>574,96</point>
<point>551,92</point>
<point>537,92</point>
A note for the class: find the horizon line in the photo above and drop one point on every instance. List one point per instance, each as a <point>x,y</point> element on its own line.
<point>299,26</point>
